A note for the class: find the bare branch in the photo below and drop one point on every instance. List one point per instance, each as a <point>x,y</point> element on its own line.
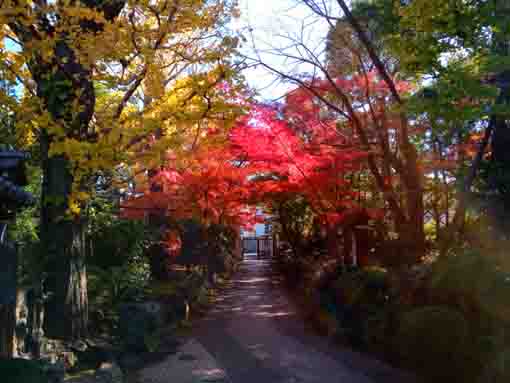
<point>371,51</point>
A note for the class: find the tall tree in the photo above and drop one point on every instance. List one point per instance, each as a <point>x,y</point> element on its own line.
<point>172,53</point>
<point>463,48</point>
<point>386,137</point>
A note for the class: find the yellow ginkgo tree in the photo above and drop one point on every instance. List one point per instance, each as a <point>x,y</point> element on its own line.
<point>95,81</point>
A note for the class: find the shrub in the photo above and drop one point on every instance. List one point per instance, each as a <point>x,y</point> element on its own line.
<point>474,279</point>
<point>359,298</point>
<point>435,340</point>
<point>477,285</point>
<point>118,270</point>
<point>117,243</point>
<point>109,288</point>
<point>22,371</point>
<point>193,246</point>
<point>498,369</point>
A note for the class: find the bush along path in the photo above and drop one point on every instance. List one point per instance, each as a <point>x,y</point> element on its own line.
<point>254,333</point>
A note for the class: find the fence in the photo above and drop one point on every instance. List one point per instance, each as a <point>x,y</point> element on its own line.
<point>262,246</point>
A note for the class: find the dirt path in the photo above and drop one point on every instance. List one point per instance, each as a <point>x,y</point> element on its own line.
<point>256,334</point>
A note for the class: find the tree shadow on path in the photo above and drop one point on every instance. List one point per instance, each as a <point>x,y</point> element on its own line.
<point>258,334</point>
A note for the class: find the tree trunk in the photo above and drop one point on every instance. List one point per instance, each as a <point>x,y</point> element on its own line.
<point>499,205</point>
<point>69,300</point>
<point>411,228</point>
<point>349,239</point>
<point>7,327</point>
<point>66,88</point>
<point>332,243</point>
<point>62,234</point>
<point>63,242</point>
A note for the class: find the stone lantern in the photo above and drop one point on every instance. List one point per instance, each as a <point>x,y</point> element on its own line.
<point>12,198</point>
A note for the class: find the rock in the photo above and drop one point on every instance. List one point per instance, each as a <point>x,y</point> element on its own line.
<point>56,352</point>
<point>52,346</point>
<point>131,361</point>
<point>99,349</point>
<point>176,307</point>
<point>109,372</point>
<point>155,309</point>
<point>79,346</point>
<point>69,358</point>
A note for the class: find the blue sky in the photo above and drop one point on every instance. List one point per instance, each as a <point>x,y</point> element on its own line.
<point>268,25</point>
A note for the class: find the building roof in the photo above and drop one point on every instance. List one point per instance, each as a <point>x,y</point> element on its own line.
<point>12,178</point>
<point>14,196</point>
<point>12,166</point>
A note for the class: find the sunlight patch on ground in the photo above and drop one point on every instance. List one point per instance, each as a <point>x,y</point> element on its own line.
<point>209,375</point>
<point>253,280</point>
<point>267,314</point>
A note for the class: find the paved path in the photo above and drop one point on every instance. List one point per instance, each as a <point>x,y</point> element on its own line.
<point>258,336</point>
<point>254,334</point>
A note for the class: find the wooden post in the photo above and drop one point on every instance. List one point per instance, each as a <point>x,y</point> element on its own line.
<point>275,245</point>
<point>332,241</point>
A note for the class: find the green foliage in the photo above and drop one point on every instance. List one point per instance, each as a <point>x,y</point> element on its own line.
<point>115,242</point>
<point>498,368</point>
<point>223,237</point>
<point>223,240</point>
<point>118,270</point>
<point>447,320</point>
<point>152,341</point>
<point>361,285</point>
<point>197,245</point>
<point>296,221</point>
<point>444,101</point>
<point>119,242</point>
<point>193,244</point>
<point>426,31</point>
<point>478,277</point>
<point>344,50</point>
<point>436,340</point>
<point>7,118</point>
<point>109,288</point>
<point>181,284</point>
<point>460,317</point>
<point>360,300</point>
<point>24,231</point>
<point>22,371</point>
<point>118,283</point>
<point>452,273</point>
<point>160,289</point>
